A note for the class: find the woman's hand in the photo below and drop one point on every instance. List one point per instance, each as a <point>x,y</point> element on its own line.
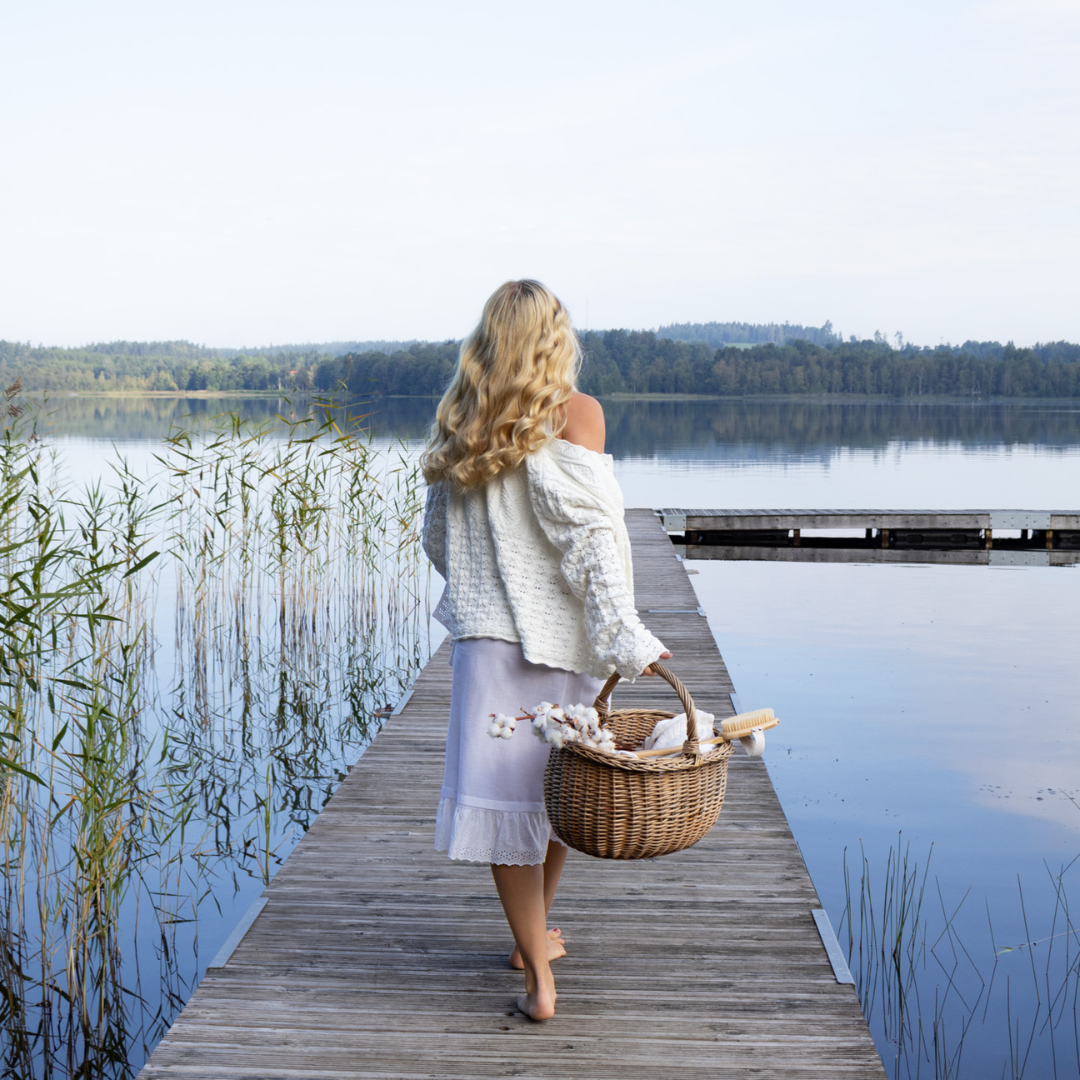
<point>665,655</point>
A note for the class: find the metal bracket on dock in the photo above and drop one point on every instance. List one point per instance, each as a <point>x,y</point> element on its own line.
<point>672,522</point>
<point>832,946</point>
<point>1019,519</point>
<point>1019,558</point>
<point>224,954</point>
<point>404,700</point>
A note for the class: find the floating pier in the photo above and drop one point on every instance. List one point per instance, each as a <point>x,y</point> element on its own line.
<point>375,957</point>
<point>972,537</point>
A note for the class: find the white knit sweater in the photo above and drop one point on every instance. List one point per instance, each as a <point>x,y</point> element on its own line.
<point>540,555</point>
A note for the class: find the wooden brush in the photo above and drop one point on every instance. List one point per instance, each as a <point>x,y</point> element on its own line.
<point>734,727</point>
<point>737,727</point>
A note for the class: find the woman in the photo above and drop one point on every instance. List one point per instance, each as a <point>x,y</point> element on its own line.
<point>524,520</point>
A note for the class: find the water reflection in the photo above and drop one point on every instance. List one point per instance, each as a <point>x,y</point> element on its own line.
<point>636,428</point>
<point>939,703</point>
<point>816,428</point>
<point>938,700</point>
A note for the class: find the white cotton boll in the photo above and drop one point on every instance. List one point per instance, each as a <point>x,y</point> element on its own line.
<point>506,733</point>
<point>495,730</point>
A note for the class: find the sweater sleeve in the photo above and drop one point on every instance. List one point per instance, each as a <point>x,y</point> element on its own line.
<point>434,534</point>
<point>580,511</point>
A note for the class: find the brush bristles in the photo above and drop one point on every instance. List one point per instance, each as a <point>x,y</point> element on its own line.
<point>735,727</point>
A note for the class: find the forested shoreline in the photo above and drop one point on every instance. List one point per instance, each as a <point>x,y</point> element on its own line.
<point>616,361</point>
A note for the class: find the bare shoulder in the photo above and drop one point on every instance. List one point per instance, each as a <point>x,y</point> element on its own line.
<point>585,422</point>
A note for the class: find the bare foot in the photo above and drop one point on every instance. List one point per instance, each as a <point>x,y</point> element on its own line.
<point>556,948</point>
<point>538,1001</point>
<point>540,1004</point>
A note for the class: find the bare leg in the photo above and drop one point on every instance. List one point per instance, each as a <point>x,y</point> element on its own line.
<point>521,890</point>
<point>553,868</point>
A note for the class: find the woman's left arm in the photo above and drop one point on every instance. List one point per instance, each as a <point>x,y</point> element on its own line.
<point>434,534</point>
<point>585,423</point>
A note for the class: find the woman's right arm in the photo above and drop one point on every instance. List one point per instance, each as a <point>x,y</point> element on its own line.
<point>585,426</point>
<point>579,520</point>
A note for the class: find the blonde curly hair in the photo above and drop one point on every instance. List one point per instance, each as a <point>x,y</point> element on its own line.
<point>515,373</point>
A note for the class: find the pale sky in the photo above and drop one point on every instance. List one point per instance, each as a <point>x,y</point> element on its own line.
<point>237,172</point>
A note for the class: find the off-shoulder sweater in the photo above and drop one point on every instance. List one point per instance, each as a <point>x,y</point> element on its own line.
<point>540,555</point>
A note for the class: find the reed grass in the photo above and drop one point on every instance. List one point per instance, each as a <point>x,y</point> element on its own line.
<point>142,778</point>
<point>944,1007</point>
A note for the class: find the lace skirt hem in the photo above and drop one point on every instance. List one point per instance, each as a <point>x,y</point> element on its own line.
<point>505,837</point>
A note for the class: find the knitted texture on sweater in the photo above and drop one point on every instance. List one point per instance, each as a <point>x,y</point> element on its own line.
<point>540,555</point>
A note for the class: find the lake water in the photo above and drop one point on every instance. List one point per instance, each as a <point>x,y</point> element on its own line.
<point>923,706</point>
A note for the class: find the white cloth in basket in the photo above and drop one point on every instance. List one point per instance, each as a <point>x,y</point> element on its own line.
<point>492,804</point>
<point>672,732</point>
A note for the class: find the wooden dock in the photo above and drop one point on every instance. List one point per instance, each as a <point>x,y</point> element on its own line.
<point>376,957</point>
<point>970,537</point>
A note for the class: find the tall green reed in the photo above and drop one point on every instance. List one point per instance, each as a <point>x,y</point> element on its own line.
<point>140,776</point>
<point>70,644</point>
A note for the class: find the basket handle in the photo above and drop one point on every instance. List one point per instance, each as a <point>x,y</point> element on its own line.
<point>691,748</point>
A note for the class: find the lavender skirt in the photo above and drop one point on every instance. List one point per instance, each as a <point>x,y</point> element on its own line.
<point>492,804</point>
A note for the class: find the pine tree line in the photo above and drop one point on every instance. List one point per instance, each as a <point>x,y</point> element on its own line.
<point>616,361</point>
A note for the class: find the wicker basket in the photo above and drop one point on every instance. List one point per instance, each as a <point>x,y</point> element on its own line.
<point>634,808</point>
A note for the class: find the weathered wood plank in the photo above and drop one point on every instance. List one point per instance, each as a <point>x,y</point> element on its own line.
<point>377,958</point>
<point>719,520</point>
<point>767,553</point>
